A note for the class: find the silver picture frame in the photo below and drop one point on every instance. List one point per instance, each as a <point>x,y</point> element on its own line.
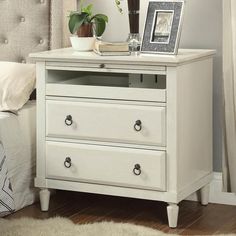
<point>163,27</point>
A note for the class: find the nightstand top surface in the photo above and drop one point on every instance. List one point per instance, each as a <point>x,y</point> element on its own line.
<point>68,54</point>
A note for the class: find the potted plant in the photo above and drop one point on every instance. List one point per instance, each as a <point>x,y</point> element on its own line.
<point>87,27</point>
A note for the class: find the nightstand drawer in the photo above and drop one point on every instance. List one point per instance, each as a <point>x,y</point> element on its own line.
<point>136,168</point>
<point>106,122</point>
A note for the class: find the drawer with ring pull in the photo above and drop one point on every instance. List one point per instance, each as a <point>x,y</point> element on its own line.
<point>137,168</point>
<point>119,123</point>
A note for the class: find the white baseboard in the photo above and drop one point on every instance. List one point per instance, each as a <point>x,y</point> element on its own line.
<point>216,194</point>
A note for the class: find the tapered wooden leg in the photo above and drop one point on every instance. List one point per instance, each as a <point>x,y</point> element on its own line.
<point>44,196</point>
<point>204,191</point>
<point>172,212</point>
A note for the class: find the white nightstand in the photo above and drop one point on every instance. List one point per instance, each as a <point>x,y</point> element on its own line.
<point>132,126</point>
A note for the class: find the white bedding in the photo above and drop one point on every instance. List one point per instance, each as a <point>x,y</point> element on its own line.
<point>17,134</point>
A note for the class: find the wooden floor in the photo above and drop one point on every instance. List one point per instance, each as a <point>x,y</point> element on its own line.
<point>89,208</point>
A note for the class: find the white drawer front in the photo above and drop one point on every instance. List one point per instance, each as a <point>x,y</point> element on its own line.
<point>107,122</point>
<point>102,92</point>
<point>106,165</point>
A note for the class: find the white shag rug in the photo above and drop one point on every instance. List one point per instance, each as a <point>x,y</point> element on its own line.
<point>64,227</point>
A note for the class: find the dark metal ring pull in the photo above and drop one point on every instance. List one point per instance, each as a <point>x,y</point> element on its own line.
<point>138,125</point>
<point>69,120</point>
<point>137,169</point>
<point>102,66</point>
<point>67,162</point>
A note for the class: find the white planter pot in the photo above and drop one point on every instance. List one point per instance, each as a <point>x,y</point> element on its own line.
<point>82,43</point>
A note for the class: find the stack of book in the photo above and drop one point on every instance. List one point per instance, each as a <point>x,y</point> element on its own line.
<point>111,48</point>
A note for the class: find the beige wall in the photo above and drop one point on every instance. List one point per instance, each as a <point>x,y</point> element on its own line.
<point>202,29</point>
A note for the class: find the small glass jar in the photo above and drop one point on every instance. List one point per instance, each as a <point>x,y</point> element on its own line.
<point>134,42</point>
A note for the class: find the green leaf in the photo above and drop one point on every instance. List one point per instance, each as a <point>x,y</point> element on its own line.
<point>100,16</point>
<point>100,26</point>
<point>74,13</point>
<point>76,20</point>
<point>88,9</point>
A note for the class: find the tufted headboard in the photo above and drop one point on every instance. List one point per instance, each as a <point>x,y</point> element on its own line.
<point>33,25</point>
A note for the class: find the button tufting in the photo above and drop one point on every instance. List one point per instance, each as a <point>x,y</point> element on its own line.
<point>41,41</point>
<point>6,41</point>
<point>22,19</point>
<point>41,1</point>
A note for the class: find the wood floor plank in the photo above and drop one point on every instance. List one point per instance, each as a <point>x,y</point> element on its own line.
<point>211,219</point>
<point>227,227</point>
<point>88,208</point>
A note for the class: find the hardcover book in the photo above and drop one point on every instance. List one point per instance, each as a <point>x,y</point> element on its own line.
<point>101,46</point>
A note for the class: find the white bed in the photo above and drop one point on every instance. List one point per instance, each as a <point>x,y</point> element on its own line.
<point>29,26</point>
<point>17,134</point>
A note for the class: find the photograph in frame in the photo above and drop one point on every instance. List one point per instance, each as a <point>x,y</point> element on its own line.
<point>163,27</point>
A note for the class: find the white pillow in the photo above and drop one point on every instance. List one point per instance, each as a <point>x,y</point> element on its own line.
<point>17,82</point>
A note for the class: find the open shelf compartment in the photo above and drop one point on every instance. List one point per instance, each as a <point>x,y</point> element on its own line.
<point>119,86</point>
